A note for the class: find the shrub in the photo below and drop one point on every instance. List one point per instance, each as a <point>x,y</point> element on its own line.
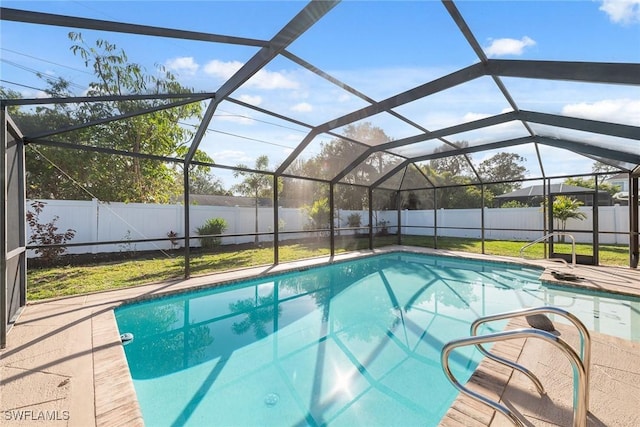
<point>514,204</point>
<point>47,233</point>
<point>126,246</point>
<point>318,214</point>
<point>383,229</point>
<point>212,226</point>
<point>354,220</point>
<point>173,238</point>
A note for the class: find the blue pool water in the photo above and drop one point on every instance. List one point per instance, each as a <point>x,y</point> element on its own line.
<point>354,343</point>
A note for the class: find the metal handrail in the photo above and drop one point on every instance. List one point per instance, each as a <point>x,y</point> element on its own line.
<point>555,233</point>
<point>585,339</point>
<point>579,374</point>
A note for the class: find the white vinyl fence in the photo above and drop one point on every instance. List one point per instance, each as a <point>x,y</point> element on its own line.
<point>95,221</point>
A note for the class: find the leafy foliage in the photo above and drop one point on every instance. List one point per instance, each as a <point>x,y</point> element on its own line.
<point>318,214</point>
<point>566,208</point>
<point>452,165</point>
<point>454,178</point>
<point>591,183</point>
<point>514,204</point>
<point>255,184</point>
<point>337,154</point>
<point>47,233</point>
<point>608,170</point>
<point>109,177</point>
<point>503,167</point>
<point>211,227</point>
<point>354,220</point>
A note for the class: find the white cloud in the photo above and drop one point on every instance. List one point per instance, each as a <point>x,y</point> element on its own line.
<point>470,117</point>
<point>184,64</point>
<point>626,111</point>
<point>622,11</point>
<point>221,69</point>
<point>303,107</point>
<point>502,47</point>
<point>231,157</point>
<point>249,99</point>
<point>263,79</point>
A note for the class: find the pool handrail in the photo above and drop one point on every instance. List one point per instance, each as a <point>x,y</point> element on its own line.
<point>579,383</point>
<point>585,338</point>
<point>555,233</point>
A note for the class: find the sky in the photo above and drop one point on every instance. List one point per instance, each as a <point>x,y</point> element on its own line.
<point>379,48</point>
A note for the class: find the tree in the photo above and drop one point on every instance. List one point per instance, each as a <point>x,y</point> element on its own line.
<point>200,181</point>
<point>454,178</point>
<point>503,167</point>
<point>207,184</point>
<point>565,208</point>
<point>71,174</point>
<point>455,191</point>
<point>607,170</point>
<point>318,214</point>
<point>457,184</point>
<point>591,183</point>
<point>454,165</point>
<point>337,154</point>
<point>255,184</point>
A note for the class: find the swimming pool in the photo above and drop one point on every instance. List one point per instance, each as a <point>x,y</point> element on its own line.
<point>353,343</point>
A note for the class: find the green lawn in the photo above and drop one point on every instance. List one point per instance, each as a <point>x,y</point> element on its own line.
<point>73,280</point>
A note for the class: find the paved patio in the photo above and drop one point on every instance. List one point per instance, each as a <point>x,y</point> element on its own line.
<point>64,364</point>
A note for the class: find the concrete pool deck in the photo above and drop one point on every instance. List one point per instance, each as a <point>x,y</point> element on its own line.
<point>64,364</point>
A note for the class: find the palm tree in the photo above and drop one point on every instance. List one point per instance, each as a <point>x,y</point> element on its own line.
<point>255,184</point>
<point>565,208</point>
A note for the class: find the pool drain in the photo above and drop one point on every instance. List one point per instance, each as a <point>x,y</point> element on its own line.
<point>271,399</point>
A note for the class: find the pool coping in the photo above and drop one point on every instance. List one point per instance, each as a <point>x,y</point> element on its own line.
<point>114,399</point>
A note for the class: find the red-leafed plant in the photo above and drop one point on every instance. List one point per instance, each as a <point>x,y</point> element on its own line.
<point>47,234</point>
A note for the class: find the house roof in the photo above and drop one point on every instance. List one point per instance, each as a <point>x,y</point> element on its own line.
<point>537,191</point>
<point>618,177</point>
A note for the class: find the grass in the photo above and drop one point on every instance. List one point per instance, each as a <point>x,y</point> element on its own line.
<point>79,279</point>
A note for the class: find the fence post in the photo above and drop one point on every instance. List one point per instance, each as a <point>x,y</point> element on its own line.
<point>95,225</point>
<point>615,223</point>
<point>405,222</point>
<point>179,222</point>
<point>236,215</point>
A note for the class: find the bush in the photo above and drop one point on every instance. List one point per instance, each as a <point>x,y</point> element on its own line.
<point>354,220</point>
<point>383,229</point>
<point>47,234</point>
<point>514,204</point>
<point>212,226</point>
<point>318,215</point>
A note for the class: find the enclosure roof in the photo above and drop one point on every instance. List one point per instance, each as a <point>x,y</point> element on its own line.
<point>442,79</point>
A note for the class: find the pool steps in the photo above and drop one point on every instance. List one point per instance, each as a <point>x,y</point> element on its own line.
<point>580,362</point>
